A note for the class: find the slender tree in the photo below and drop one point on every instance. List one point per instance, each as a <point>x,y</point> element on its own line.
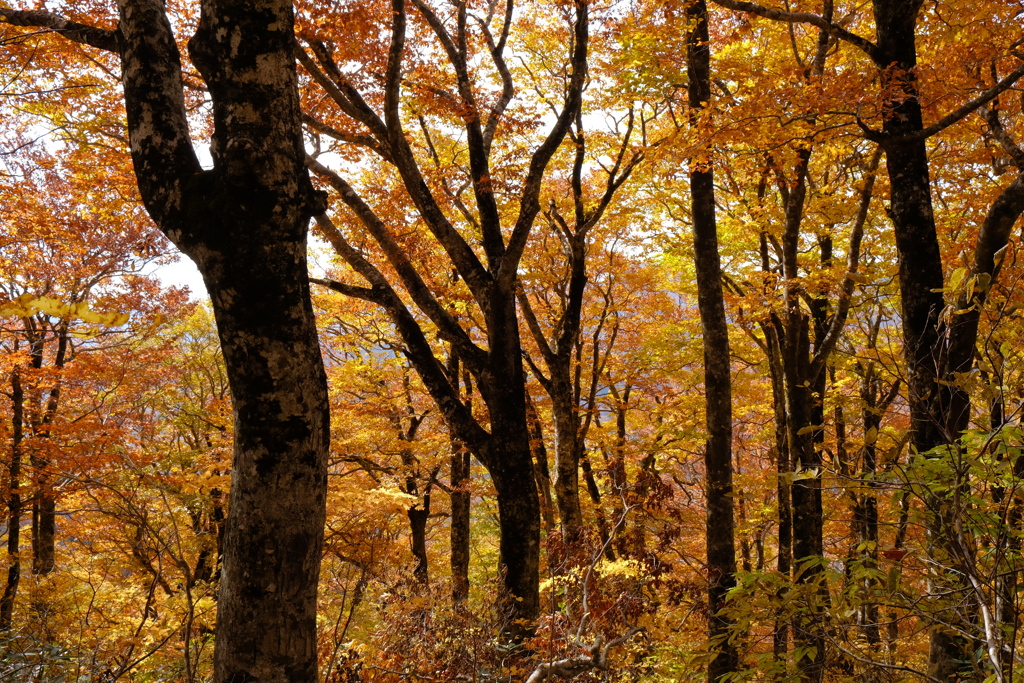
<point>720,527</point>
<point>488,342</point>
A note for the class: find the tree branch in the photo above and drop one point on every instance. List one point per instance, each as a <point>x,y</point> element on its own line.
<point>529,204</point>
<point>154,96</point>
<point>490,221</point>
<point>458,417</point>
<point>824,349</point>
<point>835,30</point>
<point>449,329</point>
<point>954,116</point>
<point>100,38</point>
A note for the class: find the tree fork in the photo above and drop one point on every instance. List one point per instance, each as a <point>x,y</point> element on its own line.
<point>244,223</point>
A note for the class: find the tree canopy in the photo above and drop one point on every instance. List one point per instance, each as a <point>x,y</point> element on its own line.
<point>634,340</point>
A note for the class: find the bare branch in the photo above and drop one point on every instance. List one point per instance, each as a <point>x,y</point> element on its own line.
<point>529,204</point>
<point>490,221</point>
<point>458,417</point>
<point>846,296</point>
<point>835,30</point>
<point>100,38</point>
<point>351,138</point>
<point>995,125</point>
<point>340,91</point>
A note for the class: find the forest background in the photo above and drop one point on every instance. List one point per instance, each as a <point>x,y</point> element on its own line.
<point>639,365</point>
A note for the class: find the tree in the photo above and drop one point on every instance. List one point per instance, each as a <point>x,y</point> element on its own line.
<point>62,259</point>
<point>416,191</point>
<point>936,348</point>
<point>244,223</point>
<point>721,548</point>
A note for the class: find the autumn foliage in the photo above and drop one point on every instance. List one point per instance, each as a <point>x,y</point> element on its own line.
<point>504,269</point>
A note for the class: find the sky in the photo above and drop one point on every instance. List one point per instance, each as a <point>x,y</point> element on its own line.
<point>183,273</point>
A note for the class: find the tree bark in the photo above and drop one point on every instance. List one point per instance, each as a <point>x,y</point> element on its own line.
<point>40,418</point>
<point>14,504</point>
<point>244,223</point>
<point>460,524</point>
<point>921,278</point>
<point>418,517</point>
<point>540,466</point>
<point>721,551</point>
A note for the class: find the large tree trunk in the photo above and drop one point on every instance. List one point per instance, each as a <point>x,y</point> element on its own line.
<point>920,267</point>
<point>266,620</point>
<point>721,552</point>
<point>244,224</point>
<point>509,460</point>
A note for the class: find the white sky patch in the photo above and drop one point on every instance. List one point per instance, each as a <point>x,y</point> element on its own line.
<point>182,273</point>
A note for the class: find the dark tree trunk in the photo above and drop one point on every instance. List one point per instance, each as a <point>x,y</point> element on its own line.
<point>509,460</point>
<point>540,466</point>
<point>617,472</point>
<point>564,409</point>
<point>595,498</point>
<point>212,537</point>
<point>418,517</point>
<point>721,552</point>
<point>783,499</point>
<point>44,517</point>
<point>460,524</point>
<point>244,224</point>
<point>920,274</point>
<point>44,505</point>
<point>14,504</point>
<point>873,406</point>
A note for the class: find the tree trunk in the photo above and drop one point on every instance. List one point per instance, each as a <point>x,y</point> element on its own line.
<point>617,472</point>
<point>567,454</point>
<point>211,535</point>
<point>460,524</point>
<point>721,552</point>
<point>509,460</point>
<point>595,497</point>
<point>418,517</point>
<point>244,224</point>
<point>783,466</point>
<point>519,548</point>
<point>14,504</point>
<point>44,506</point>
<point>920,272</point>
<point>540,465</point>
